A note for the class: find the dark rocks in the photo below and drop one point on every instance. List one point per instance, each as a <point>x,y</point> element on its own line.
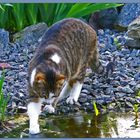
<point>134,28</point>
<point>128,13</point>
<point>116,89</point>
<point>133,34</point>
<point>104,18</point>
<point>31,34</point>
<point>82,100</point>
<point>4,38</point>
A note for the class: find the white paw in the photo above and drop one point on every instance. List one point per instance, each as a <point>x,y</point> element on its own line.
<point>34,129</point>
<point>49,109</point>
<point>70,100</point>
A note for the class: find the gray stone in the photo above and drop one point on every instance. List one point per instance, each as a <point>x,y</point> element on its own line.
<point>109,91</point>
<point>111,106</point>
<point>120,94</point>
<point>82,100</point>
<point>87,87</point>
<point>134,29</point>
<point>129,105</point>
<point>132,43</point>
<point>85,91</point>
<point>129,12</point>
<point>137,87</point>
<point>84,95</point>
<point>125,89</point>
<point>21,109</point>
<point>115,83</point>
<point>31,34</point>
<point>133,34</point>
<point>104,18</point>
<point>4,38</point>
<point>137,76</point>
<point>132,83</point>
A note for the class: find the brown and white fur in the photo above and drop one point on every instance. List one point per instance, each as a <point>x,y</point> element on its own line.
<point>59,66</point>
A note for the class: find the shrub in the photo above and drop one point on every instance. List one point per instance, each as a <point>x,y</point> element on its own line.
<point>3,100</point>
<point>19,15</point>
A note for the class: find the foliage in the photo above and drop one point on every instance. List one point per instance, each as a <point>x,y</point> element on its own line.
<point>17,16</point>
<point>95,109</point>
<point>3,100</point>
<point>136,109</point>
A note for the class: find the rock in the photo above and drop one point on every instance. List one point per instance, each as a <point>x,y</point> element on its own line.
<point>115,83</point>
<point>125,89</point>
<point>111,106</point>
<point>4,38</point>
<point>104,18</point>
<point>85,91</point>
<point>129,12</point>
<point>109,91</point>
<point>132,83</point>
<point>87,87</point>
<point>134,29</point>
<point>129,105</point>
<point>21,109</point>
<point>137,76</point>
<point>133,43</point>
<point>31,34</point>
<point>120,94</point>
<point>82,100</point>
<point>137,87</point>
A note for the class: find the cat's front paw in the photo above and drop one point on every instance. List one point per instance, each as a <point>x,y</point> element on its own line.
<point>34,129</point>
<point>70,100</point>
<point>49,109</point>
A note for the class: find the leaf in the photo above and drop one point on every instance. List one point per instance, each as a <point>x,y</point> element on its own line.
<point>1,7</point>
<point>77,8</point>
<point>93,8</point>
<point>136,108</point>
<point>95,109</point>
<point>31,13</point>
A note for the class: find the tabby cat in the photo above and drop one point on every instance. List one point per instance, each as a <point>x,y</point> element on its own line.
<point>59,66</point>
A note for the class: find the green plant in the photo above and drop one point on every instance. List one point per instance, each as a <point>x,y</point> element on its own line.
<point>116,42</point>
<point>19,15</point>
<point>95,109</point>
<point>136,109</point>
<point>3,100</point>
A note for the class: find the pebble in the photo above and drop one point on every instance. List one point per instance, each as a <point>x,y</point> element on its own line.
<point>121,85</point>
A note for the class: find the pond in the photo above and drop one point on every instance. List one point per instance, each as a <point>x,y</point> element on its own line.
<point>80,125</point>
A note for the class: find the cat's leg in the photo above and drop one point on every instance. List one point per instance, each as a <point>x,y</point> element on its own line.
<point>65,92</point>
<point>33,111</point>
<point>75,92</point>
<point>95,63</point>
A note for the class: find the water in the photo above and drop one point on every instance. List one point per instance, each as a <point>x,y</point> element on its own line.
<point>81,125</point>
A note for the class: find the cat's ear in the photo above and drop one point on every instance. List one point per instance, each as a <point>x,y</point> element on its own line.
<point>40,78</point>
<point>60,78</point>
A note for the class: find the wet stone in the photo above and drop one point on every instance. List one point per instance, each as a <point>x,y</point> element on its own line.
<point>82,100</point>
<point>85,91</point>
<point>132,83</point>
<point>129,105</point>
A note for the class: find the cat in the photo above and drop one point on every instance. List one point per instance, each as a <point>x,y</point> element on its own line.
<point>59,64</point>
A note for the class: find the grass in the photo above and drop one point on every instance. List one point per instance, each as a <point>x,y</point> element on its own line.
<point>3,100</point>
<point>95,109</point>
<point>15,17</point>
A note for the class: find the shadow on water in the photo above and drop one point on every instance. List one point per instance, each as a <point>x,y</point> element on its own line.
<point>82,125</point>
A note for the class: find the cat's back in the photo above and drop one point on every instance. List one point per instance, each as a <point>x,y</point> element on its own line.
<point>69,30</point>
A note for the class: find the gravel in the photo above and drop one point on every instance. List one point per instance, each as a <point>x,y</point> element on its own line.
<point>118,89</point>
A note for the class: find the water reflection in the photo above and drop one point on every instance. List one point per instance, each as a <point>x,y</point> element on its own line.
<point>90,126</point>
<point>83,126</point>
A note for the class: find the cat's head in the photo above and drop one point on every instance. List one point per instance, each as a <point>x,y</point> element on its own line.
<point>46,80</point>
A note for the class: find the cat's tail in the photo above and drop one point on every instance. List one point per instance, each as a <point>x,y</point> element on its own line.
<point>106,70</point>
